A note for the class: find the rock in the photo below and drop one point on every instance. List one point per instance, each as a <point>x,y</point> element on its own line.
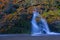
<point>55,26</point>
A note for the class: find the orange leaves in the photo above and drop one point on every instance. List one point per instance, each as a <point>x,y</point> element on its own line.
<point>3,2</point>
<point>8,17</point>
<point>20,9</point>
<point>14,1</point>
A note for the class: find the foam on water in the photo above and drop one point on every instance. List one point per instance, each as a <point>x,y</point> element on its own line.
<point>43,26</point>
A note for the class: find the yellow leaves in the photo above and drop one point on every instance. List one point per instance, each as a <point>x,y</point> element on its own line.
<point>45,2</point>
<point>30,9</point>
<point>45,14</point>
<point>39,6</point>
<point>52,1</point>
<point>9,17</point>
<point>15,13</point>
<point>58,12</point>
<point>52,15</point>
<point>49,20</point>
<point>20,9</point>
<point>15,17</point>
<point>27,1</point>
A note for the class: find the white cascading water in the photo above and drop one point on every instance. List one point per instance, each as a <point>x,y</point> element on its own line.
<point>43,26</point>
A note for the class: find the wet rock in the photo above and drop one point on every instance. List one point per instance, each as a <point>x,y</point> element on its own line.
<point>55,26</point>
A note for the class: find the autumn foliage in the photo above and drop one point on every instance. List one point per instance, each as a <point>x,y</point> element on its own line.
<point>15,15</point>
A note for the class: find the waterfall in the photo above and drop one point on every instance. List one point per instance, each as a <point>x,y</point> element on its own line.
<point>41,27</point>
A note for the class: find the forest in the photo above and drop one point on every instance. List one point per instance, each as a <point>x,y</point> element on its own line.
<point>16,15</point>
